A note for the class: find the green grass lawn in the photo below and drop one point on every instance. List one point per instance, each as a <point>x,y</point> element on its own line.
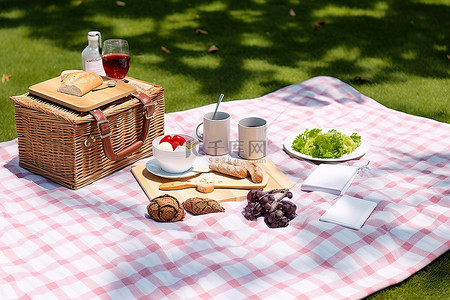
<point>401,46</point>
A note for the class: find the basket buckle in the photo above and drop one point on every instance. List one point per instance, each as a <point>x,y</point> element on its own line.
<point>147,109</point>
<point>103,128</point>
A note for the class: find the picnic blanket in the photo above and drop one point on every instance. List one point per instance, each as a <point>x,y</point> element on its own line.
<point>98,242</point>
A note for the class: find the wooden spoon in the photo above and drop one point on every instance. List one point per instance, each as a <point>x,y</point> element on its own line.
<point>110,83</point>
<point>215,181</point>
<point>202,187</point>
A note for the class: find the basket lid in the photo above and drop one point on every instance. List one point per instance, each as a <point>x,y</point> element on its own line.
<point>49,90</point>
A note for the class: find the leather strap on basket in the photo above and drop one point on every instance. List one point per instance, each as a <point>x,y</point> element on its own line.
<point>105,130</point>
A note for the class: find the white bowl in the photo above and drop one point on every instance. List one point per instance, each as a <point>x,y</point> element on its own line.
<point>177,161</point>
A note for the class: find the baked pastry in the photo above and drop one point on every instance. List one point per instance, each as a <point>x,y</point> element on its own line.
<point>166,208</point>
<point>201,206</point>
<point>78,83</point>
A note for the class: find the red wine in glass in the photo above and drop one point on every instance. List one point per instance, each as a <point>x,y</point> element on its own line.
<point>116,65</point>
<point>116,58</point>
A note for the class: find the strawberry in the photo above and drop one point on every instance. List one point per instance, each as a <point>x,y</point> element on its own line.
<point>167,138</point>
<point>175,145</point>
<point>178,138</point>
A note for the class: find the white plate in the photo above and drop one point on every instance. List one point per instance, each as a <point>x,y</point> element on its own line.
<point>154,168</point>
<point>360,151</point>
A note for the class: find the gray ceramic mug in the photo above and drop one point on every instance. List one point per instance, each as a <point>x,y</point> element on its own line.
<point>216,133</point>
<point>252,138</point>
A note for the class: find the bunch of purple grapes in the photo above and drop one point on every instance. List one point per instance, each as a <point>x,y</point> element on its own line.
<point>277,212</point>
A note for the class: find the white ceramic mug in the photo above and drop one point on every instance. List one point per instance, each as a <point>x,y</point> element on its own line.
<point>252,138</point>
<point>216,133</point>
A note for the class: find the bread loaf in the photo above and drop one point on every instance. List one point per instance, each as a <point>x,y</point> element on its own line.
<point>67,72</point>
<point>78,83</point>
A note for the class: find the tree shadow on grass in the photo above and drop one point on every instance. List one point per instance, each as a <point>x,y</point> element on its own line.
<point>255,38</point>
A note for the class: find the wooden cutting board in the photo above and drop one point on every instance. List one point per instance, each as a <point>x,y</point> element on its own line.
<point>89,101</point>
<point>150,184</point>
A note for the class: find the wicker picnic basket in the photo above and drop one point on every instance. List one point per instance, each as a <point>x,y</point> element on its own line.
<point>76,148</point>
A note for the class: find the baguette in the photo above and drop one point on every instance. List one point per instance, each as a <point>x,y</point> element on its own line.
<point>256,174</point>
<point>229,169</point>
<point>79,83</point>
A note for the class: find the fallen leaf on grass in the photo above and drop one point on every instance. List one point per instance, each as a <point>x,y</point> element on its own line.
<point>6,77</point>
<point>318,25</point>
<point>292,13</point>
<point>120,3</point>
<point>361,80</point>
<point>165,50</point>
<point>200,31</point>
<point>213,49</point>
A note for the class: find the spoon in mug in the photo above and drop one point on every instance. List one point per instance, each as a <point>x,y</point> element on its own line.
<point>217,105</point>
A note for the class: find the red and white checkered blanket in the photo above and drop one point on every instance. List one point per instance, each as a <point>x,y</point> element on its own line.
<point>96,242</point>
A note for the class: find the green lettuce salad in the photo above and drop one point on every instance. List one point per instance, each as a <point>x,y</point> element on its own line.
<point>331,144</point>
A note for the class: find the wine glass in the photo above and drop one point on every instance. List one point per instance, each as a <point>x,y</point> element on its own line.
<point>116,58</point>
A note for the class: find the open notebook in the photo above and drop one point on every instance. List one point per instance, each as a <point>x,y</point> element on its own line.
<point>349,212</point>
<point>333,179</point>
